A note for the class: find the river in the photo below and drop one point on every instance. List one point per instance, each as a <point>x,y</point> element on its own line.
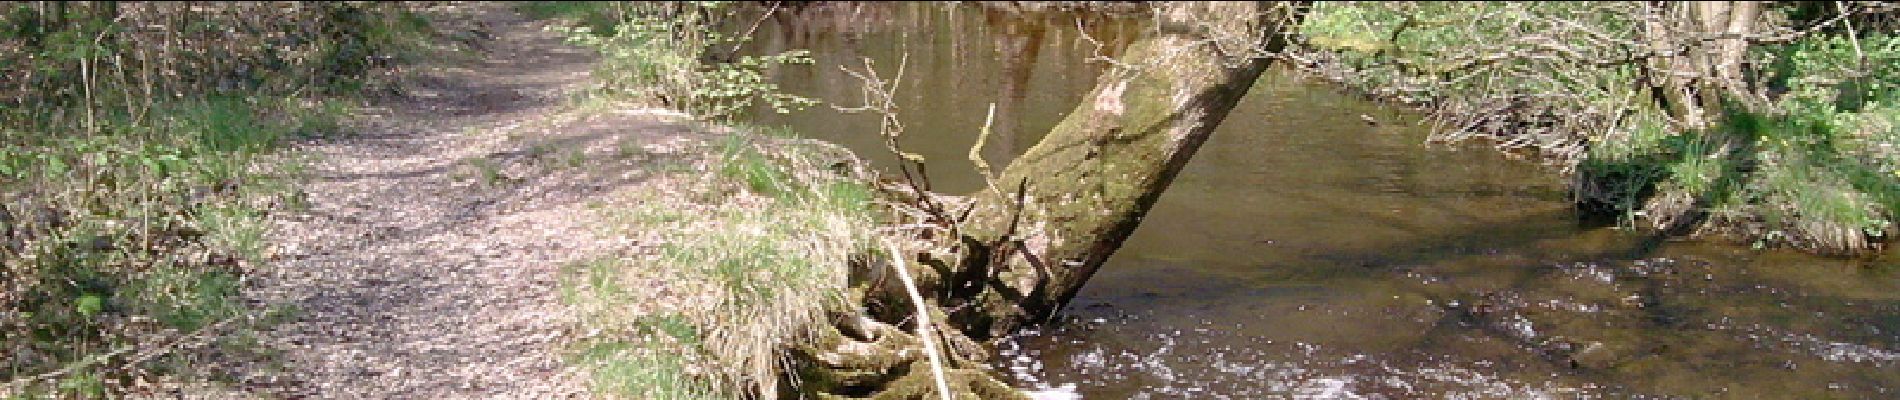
<point>1317,246</point>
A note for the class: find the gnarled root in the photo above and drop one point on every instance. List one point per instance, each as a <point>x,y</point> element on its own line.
<point>859,357</point>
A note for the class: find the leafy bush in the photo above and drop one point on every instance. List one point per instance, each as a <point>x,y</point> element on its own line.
<point>666,52</point>
<point>596,16</point>
<point>1829,173</point>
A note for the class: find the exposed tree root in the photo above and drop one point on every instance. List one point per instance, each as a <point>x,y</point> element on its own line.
<point>1012,254</point>
<point>859,357</point>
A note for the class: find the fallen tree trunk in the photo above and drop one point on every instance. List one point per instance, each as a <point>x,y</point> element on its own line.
<point>1014,253</point>
<point>1056,214</point>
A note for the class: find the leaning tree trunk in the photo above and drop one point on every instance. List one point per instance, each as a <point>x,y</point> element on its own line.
<point>1706,45</point>
<point>1028,243</point>
<point>1052,217</point>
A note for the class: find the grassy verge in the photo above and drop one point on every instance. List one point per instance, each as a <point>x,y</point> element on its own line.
<point>1812,168</point>
<point>139,157</point>
<point>134,237</point>
<point>750,245</point>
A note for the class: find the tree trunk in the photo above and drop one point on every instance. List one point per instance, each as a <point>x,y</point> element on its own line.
<point>1707,46</point>
<point>1054,215</point>
<point>1059,211</point>
<point>1709,50</point>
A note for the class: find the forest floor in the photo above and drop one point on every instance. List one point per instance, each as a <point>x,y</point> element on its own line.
<point>426,263</point>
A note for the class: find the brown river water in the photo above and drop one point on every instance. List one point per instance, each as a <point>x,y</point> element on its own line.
<point>1307,253</point>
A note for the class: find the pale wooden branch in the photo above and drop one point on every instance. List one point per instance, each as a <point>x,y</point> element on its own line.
<point>923,319</point>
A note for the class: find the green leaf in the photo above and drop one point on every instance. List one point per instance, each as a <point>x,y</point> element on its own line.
<point>89,305</point>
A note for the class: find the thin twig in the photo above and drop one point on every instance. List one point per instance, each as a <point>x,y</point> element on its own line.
<point>754,28</point>
<point>880,97</point>
<point>976,155</point>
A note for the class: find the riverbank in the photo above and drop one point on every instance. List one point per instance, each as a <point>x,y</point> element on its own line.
<point>742,238</point>
<point>1809,164</point>
<point>1537,330</point>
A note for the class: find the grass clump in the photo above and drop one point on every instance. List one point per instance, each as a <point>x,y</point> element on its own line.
<point>755,252</point>
<point>1817,171</point>
<point>643,372</point>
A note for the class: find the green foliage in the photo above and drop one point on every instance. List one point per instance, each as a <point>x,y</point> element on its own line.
<point>596,16</point>
<point>142,220</point>
<point>67,57</point>
<point>223,125</point>
<point>323,119</point>
<point>1831,156</point>
<point>730,88</point>
<point>238,229</point>
<point>663,51</point>
<point>653,364</point>
<point>1422,51</point>
<point>185,299</point>
<point>132,182</point>
<point>488,171</point>
<point>1818,167</point>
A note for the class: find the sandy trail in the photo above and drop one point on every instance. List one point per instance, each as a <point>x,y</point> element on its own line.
<point>426,264</point>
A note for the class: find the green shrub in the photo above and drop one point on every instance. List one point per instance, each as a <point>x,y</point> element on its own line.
<point>1815,168</point>
<point>663,52</point>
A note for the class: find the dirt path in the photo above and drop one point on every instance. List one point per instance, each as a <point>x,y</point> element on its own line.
<point>426,265</point>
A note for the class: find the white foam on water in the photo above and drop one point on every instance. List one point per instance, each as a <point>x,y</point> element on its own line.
<point>1296,370</point>
<point>1064,392</point>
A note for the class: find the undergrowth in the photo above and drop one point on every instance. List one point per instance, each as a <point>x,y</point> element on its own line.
<point>133,235</point>
<point>1819,171</point>
<point>674,55</point>
<point>139,156</point>
<point>1814,168</point>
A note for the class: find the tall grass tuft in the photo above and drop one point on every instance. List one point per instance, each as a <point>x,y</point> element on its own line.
<point>765,250</point>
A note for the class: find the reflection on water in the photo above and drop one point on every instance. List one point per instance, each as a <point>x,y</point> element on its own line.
<point>958,61</point>
<point>1306,252</point>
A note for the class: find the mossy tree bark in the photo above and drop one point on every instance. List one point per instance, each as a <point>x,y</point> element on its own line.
<point>1026,244</point>
<point>1707,44</point>
<point>1053,216</point>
